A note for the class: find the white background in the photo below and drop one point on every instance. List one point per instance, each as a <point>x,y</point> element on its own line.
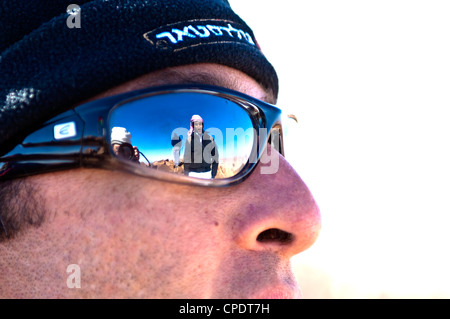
<point>370,84</point>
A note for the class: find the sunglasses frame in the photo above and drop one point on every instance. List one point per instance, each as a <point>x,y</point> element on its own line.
<point>85,141</point>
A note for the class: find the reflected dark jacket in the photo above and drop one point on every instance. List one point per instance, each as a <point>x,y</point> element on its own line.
<point>194,160</point>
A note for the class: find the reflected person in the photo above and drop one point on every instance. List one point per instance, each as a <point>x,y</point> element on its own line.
<point>121,144</point>
<point>201,157</point>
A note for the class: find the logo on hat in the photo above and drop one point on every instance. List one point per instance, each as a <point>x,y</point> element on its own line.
<point>186,34</point>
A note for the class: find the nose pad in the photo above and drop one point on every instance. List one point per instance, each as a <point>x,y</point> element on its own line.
<point>282,217</point>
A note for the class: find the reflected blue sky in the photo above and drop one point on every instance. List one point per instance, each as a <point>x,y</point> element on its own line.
<point>152,121</point>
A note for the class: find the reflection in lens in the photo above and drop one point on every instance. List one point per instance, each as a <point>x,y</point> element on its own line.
<point>201,155</point>
<point>121,144</point>
<point>194,134</point>
<point>126,151</point>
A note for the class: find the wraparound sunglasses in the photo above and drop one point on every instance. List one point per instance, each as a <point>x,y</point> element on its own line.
<point>195,134</point>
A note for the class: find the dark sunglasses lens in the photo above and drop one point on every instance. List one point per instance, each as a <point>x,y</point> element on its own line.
<point>195,134</point>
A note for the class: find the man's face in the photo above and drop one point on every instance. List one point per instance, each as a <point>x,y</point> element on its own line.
<point>115,148</point>
<point>198,126</point>
<point>138,237</point>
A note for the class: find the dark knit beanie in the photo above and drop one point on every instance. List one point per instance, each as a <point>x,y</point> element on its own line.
<point>55,54</point>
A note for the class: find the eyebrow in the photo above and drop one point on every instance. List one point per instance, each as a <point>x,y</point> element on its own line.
<point>172,76</point>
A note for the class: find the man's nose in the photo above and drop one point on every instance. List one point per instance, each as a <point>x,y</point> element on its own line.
<point>281,215</point>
